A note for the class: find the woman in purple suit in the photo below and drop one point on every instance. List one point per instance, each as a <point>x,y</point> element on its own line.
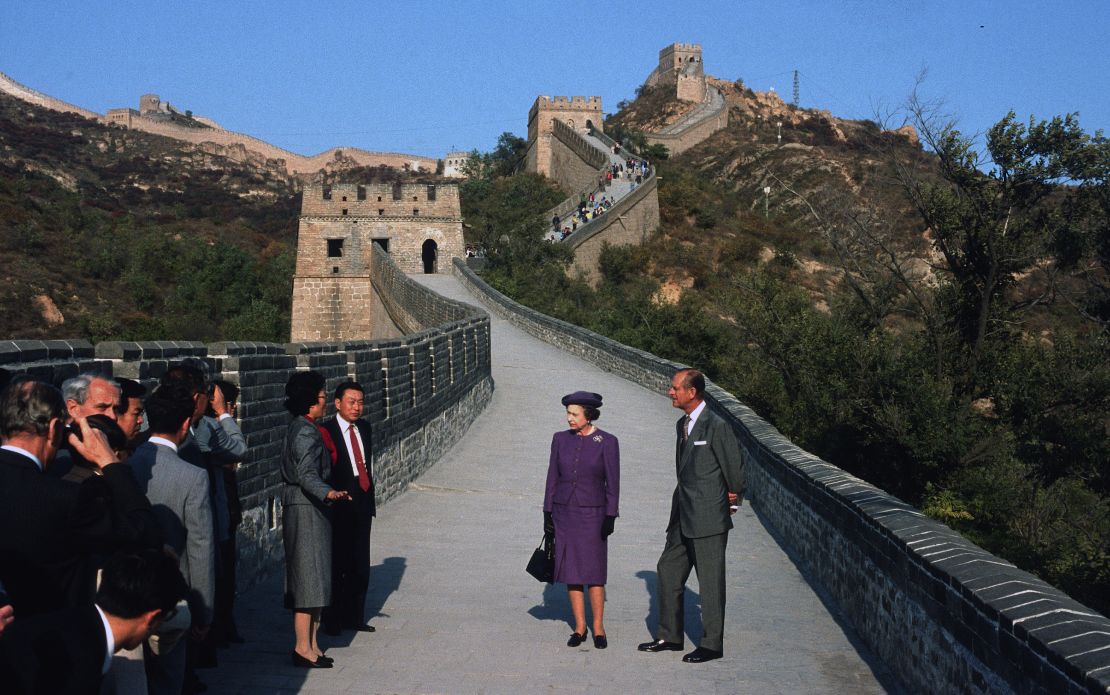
<point>580,507</point>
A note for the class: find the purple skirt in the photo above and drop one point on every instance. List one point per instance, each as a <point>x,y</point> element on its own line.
<point>581,556</point>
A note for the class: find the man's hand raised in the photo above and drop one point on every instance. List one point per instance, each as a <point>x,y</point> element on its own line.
<point>93,445</point>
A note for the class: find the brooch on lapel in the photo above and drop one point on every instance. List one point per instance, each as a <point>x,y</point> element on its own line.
<point>597,438</point>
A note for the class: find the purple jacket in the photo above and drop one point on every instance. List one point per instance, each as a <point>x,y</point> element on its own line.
<point>584,471</point>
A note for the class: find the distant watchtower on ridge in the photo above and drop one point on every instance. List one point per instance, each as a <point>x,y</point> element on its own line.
<point>681,64</point>
<point>419,225</point>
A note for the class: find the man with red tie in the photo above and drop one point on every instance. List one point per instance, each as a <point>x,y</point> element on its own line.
<point>351,522</point>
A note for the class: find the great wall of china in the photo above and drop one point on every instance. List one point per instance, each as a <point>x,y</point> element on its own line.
<point>942,613</point>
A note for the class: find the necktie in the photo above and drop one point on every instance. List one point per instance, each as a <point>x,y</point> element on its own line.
<point>363,476</point>
<point>685,429</point>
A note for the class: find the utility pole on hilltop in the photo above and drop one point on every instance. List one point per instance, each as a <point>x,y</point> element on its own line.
<point>795,88</point>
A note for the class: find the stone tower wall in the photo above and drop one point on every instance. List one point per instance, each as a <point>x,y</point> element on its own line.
<point>332,295</point>
<point>545,112</point>
<point>674,60</point>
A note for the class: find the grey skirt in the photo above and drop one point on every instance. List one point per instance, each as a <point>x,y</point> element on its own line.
<point>306,535</point>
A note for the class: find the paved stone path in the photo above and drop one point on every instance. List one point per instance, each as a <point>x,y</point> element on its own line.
<point>456,613</point>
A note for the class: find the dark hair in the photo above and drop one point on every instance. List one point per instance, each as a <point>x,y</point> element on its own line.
<point>28,406</point>
<point>591,413</point>
<point>302,390</point>
<point>187,373</point>
<point>128,389</point>
<point>692,378</point>
<point>348,386</point>
<point>139,582</point>
<point>170,405</point>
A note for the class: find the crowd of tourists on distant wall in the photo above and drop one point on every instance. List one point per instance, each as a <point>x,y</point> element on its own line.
<point>119,512</point>
<point>593,205</point>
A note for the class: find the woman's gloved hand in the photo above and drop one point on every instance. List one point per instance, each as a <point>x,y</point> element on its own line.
<point>607,526</point>
<point>548,525</point>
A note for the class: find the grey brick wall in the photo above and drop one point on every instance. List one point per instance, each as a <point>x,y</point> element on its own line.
<point>943,613</point>
<point>421,393</point>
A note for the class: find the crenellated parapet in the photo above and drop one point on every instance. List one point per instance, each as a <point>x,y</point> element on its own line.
<point>577,112</point>
<point>423,390</point>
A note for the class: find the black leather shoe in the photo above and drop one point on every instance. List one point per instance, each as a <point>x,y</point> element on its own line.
<point>659,646</point>
<point>301,662</point>
<point>702,654</point>
<point>325,660</point>
<point>576,639</point>
<point>600,642</point>
<point>363,628</point>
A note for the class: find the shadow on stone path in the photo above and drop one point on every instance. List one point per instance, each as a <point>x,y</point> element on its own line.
<point>457,614</point>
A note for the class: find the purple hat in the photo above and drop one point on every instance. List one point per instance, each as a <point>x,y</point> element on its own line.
<point>586,398</point>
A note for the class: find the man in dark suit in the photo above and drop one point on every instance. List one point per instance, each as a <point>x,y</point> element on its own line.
<point>69,651</point>
<point>351,521</point>
<point>50,528</point>
<point>710,487</point>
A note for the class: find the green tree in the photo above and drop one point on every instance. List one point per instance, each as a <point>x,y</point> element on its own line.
<point>999,213</point>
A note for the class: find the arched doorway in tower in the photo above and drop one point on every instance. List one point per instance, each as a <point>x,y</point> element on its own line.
<point>429,253</point>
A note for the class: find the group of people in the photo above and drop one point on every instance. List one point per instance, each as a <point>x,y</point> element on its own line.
<point>581,505</point>
<point>124,506</point>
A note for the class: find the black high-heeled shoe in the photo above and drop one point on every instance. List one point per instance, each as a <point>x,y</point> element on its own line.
<point>301,662</point>
<point>576,639</point>
<point>325,659</point>
<point>600,642</point>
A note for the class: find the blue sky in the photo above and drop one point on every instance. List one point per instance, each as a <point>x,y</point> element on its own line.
<point>425,77</point>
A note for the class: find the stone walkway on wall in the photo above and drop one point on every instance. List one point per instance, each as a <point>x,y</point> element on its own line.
<point>455,612</point>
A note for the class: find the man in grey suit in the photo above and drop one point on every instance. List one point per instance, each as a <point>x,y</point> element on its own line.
<point>710,487</point>
<point>179,492</point>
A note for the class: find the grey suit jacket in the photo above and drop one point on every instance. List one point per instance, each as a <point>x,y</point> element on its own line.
<point>709,466</point>
<point>179,493</point>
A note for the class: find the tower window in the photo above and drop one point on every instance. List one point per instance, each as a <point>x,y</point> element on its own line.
<point>344,211</point>
<point>416,212</point>
<point>335,248</point>
<point>361,192</point>
<point>381,211</point>
<point>397,191</point>
<point>431,192</point>
<point>327,192</point>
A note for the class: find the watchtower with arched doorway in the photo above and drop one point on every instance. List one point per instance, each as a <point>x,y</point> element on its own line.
<point>418,224</point>
<point>574,112</point>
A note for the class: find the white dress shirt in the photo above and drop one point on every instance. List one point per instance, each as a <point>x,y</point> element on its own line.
<point>344,428</point>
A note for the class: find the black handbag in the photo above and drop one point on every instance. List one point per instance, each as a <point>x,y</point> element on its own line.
<point>542,563</point>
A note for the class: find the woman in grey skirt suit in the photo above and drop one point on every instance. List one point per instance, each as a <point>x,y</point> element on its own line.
<point>580,507</point>
<point>306,463</point>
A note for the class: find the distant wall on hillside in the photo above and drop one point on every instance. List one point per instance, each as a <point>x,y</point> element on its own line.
<point>32,96</point>
<point>292,162</point>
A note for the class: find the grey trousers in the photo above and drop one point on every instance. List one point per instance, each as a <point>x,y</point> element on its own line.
<point>680,555</point>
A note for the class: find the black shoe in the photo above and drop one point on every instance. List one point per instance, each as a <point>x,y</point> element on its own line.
<point>600,642</point>
<point>325,659</point>
<point>576,639</point>
<point>660,646</point>
<point>302,662</point>
<point>702,654</point>
<point>363,628</point>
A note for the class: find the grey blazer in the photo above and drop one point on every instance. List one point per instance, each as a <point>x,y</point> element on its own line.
<point>709,466</point>
<point>305,465</point>
<point>179,493</point>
